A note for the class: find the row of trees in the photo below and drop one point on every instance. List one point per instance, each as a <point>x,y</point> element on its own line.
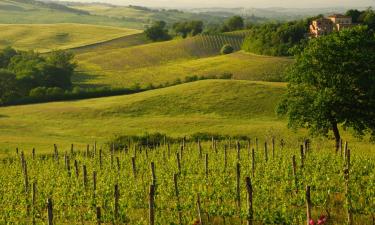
<point>23,72</point>
<point>159,31</point>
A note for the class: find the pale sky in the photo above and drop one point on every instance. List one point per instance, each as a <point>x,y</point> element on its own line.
<point>241,3</point>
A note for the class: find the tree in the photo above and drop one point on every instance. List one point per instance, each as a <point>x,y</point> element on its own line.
<point>5,56</point>
<point>332,83</point>
<point>226,49</point>
<point>158,32</point>
<point>193,28</point>
<point>233,24</point>
<point>8,85</point>
<point>355,14</point>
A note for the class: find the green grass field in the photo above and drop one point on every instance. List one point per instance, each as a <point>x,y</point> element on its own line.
<point>214,106</point>
<point>46,37</point>
<point>229,107</point>
<point>158,63</point>
<point>34,12</point>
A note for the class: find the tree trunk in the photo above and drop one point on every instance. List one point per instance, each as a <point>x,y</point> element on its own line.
<point>336,132</point>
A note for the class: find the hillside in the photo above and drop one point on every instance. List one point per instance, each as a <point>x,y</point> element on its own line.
<point>143,15</point>
<point>158,63</point>
<point>35,12</point>
<point>237,107</point>
<point>45,37</point>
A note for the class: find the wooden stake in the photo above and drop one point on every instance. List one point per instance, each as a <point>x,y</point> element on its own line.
<point>94,180</point>
<point>199,209</point>
<point>177,193</point>
<point>153,174</point>
<point>178,162</point>
<point>151,205</point>
<point>225,158</point>
<point>348,197</point>
<point>265,151</point>
<point>238,190</point>
<point>238,151</point>
<point>134,167</point>
<point>308,205</point>
<point>249,189</point>
<point>294,164</point>
<point>273,147</point>
<point>76,168</point>
<point>50,211</point>
<point>98,216</point>
<point>84,176</point>
<point>253,162</point>
<point>33,153</point>
<point>302,156</point>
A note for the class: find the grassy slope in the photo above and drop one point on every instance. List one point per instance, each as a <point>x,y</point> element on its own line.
<point>145,16</point>
<point>44,37</point>
<point>158,63</point>
<point>21,12</point>
<point>229,107</point>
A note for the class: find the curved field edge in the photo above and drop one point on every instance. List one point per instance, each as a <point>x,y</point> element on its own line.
<point>221,106</point>
<point>242,66</point>
<point>214,106</point>
<point>46,37</point>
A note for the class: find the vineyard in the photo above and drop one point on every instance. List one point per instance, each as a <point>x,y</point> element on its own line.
<point>222,181</point>
<point>159,63</point>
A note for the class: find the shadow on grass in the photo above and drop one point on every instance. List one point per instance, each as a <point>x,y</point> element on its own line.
<point>81,77</point>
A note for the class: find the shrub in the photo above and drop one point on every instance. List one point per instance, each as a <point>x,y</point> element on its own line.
<point>38,92</point>
<point>227,49</point>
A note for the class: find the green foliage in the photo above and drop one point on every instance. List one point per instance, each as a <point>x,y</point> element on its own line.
<point>233,24</point>
<point>332,82</point>
<point>276,39</point>
<point>158,32</point>
<point>227,49</point>
<point>366,17</point>
<point>192,28</point>
<point>33,70</point>
<point>8,85</point>
<point>5,56</point>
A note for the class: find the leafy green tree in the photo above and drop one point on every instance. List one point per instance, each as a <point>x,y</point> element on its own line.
<point>8,85</point>
<point>158,32</point>
<point>5,56</point>
<point>355,14</point>
<point>192,28</point>
<point>196,27</point>
<point>332,83</point>
<point>233,24</point>
<point>227,49</point>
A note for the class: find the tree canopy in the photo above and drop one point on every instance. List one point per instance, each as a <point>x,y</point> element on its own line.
<point>158,31</point>
<point>21,72</point>
<point>233,24</point>
<point>186,28</point>
<point>332,83</point>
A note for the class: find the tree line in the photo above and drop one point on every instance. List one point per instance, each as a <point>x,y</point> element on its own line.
<point>27,73</point>
<point>160,31</point>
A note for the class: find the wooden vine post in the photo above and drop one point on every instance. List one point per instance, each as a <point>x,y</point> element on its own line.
<point>98,216</point>
<point>273,147</point>
<point>294,167</point>
<point>178,162</point>
<point>134,167</point>
<point>199,209</point>
<point>302,156</point>
<point>265,151</point>
<point>308,205</point>
<point>238,151</point>
<point>206,165</point>
<point>348,196</point>
<point>50,211</point>
<point>250,213</point>
<point>238,190</point>
<point>253,162</point>
<point>152,205</point>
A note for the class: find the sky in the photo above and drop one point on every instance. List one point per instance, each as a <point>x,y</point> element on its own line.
<point>241,3</point>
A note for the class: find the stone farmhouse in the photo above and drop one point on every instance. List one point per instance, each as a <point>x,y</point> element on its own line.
<point>324,26</point>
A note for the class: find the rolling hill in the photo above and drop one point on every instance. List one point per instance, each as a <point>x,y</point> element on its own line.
<point>36,12</point>
<point>46,37</point>
<point>236,107</point>
<point>159,63</point>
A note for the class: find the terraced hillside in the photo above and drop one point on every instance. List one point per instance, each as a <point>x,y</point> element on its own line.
<point>236,107</point>
<point>45,37</point>
<point>158,63</point>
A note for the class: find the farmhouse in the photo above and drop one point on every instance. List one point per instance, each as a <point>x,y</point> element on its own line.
<point>324,26</point>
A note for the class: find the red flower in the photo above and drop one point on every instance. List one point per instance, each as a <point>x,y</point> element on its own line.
<point>322,220</point>
<point>312,222</point>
